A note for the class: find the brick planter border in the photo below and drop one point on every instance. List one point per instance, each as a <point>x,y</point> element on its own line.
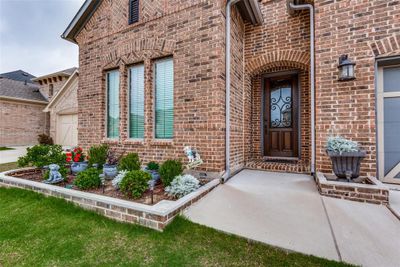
<point>155,217</point>
<point>375,193</point>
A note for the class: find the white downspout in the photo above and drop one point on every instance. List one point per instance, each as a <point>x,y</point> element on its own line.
<point>312,56</point>
<point>229,4</point>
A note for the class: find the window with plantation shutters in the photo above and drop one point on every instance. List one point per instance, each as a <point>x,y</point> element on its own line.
<point>136,102</point>
<point>113,104</point>
<point>133,11</point>
<point>164,98</point>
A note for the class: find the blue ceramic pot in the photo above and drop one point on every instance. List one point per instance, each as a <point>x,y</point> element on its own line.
<point>110,171</point>
<point>79,166</point>
<point>155,176</point>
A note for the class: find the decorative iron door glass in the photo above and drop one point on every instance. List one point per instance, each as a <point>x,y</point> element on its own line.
<point>280,139</point>
<point>281,104</point>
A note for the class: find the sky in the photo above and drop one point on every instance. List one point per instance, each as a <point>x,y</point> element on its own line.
<point>30,33</point>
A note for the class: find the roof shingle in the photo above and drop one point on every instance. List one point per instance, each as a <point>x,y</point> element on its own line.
<point>19,89</point>
<point>18,75</point>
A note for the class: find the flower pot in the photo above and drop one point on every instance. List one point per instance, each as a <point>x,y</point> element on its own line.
<point>346,163</point>
<point>110,171</point>
<point>79,166</point>
<point>155,176</point>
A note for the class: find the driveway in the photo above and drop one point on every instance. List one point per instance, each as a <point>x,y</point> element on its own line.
<point>7,156</point>
<point>286,210</point>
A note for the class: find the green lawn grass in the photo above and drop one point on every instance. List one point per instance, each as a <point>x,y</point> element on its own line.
<point>2,148</point>
<point>46,231</point>
<point>40,231</point>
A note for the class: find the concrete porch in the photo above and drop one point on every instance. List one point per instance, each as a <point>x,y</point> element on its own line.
<point>286,210</point>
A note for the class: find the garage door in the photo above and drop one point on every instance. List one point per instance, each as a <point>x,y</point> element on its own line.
<point>67,132</point>
<point>388,100</point>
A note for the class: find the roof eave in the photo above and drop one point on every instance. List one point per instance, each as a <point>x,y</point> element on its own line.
<point>251,10</point>
<point>61,91</point>
<point>79,20</point>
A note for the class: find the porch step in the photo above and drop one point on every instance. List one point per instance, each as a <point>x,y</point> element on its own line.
<point>298,167</point>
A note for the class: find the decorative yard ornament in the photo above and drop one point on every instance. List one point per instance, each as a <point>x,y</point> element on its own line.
<point>193,156</point>
<point>346,68</point>
<point>55,176</point>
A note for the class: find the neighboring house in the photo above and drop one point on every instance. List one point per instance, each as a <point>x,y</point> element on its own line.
<point>153,80</point>
<point>31,106</point>
<point>60,88</point>
<point>21,109</point>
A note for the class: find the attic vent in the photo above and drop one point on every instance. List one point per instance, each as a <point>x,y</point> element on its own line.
<point>133,11</point>
<point>25,74</point>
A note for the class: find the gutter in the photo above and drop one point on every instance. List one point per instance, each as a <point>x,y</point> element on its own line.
<point>296,7</point>
<point>229,5</point>
<point>17,99</point>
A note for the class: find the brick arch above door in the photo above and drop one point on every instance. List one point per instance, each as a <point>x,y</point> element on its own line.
<point>280,58</point>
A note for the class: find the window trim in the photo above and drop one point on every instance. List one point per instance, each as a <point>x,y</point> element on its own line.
<point>106,104</point>
<point>129,101</point>
<point>154,98</point>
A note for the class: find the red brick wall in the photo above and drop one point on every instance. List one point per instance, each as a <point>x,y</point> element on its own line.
<point>280,44</point>
<point>191,32</point>
<point>237,120</point>
<point>362,29</point>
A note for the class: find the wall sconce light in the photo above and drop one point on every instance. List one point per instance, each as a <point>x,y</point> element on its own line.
<point>346,68</point>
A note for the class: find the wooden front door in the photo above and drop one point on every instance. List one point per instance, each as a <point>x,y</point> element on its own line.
<point>281,117</point>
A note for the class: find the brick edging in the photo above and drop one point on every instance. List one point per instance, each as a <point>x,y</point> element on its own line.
<point>155,217</point>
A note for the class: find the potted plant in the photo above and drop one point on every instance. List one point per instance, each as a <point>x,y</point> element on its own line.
<point>78,160</point>
<point>110,169</point>
<point>346,157</point>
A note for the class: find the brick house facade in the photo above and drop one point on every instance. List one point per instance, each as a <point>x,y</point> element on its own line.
<point>265,58</point>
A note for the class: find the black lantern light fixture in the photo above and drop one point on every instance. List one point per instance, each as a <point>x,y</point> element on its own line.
<point>346,68</point>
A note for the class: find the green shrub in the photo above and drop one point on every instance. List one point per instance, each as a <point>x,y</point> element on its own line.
<point>169,170</point>
<point>130,162</point>
<point>63,171</point>
<point>89,178</point>
<point>135,183</point>
<point>43,155</point>
<point>97,155</point>
<point>153,166</point>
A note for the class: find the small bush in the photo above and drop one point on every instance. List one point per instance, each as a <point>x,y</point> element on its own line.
<point>169,170</point>
<point>117,180</point>
<point>63,171</point>
<point>153,166</point>
<point>339,145</point>
<point>182,185</point>
<point>97,155</point>
<point>44,139</point>
<point>130,162</point>
<point>88,179</point>
<point>135,183</point>
<point>43,155</point>
<point>112,157</point>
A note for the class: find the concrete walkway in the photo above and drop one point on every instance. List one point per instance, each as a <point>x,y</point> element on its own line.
<point>285,210</point>
<point>7,156</point>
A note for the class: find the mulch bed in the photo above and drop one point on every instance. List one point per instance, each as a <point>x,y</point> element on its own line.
<point>158,192</point>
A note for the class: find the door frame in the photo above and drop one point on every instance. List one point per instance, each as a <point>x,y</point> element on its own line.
<point>380,96</point>
<point>262,116</point>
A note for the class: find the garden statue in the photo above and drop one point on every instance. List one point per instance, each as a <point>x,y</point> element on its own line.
<point>193,156</point>
<point>55,176</point>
